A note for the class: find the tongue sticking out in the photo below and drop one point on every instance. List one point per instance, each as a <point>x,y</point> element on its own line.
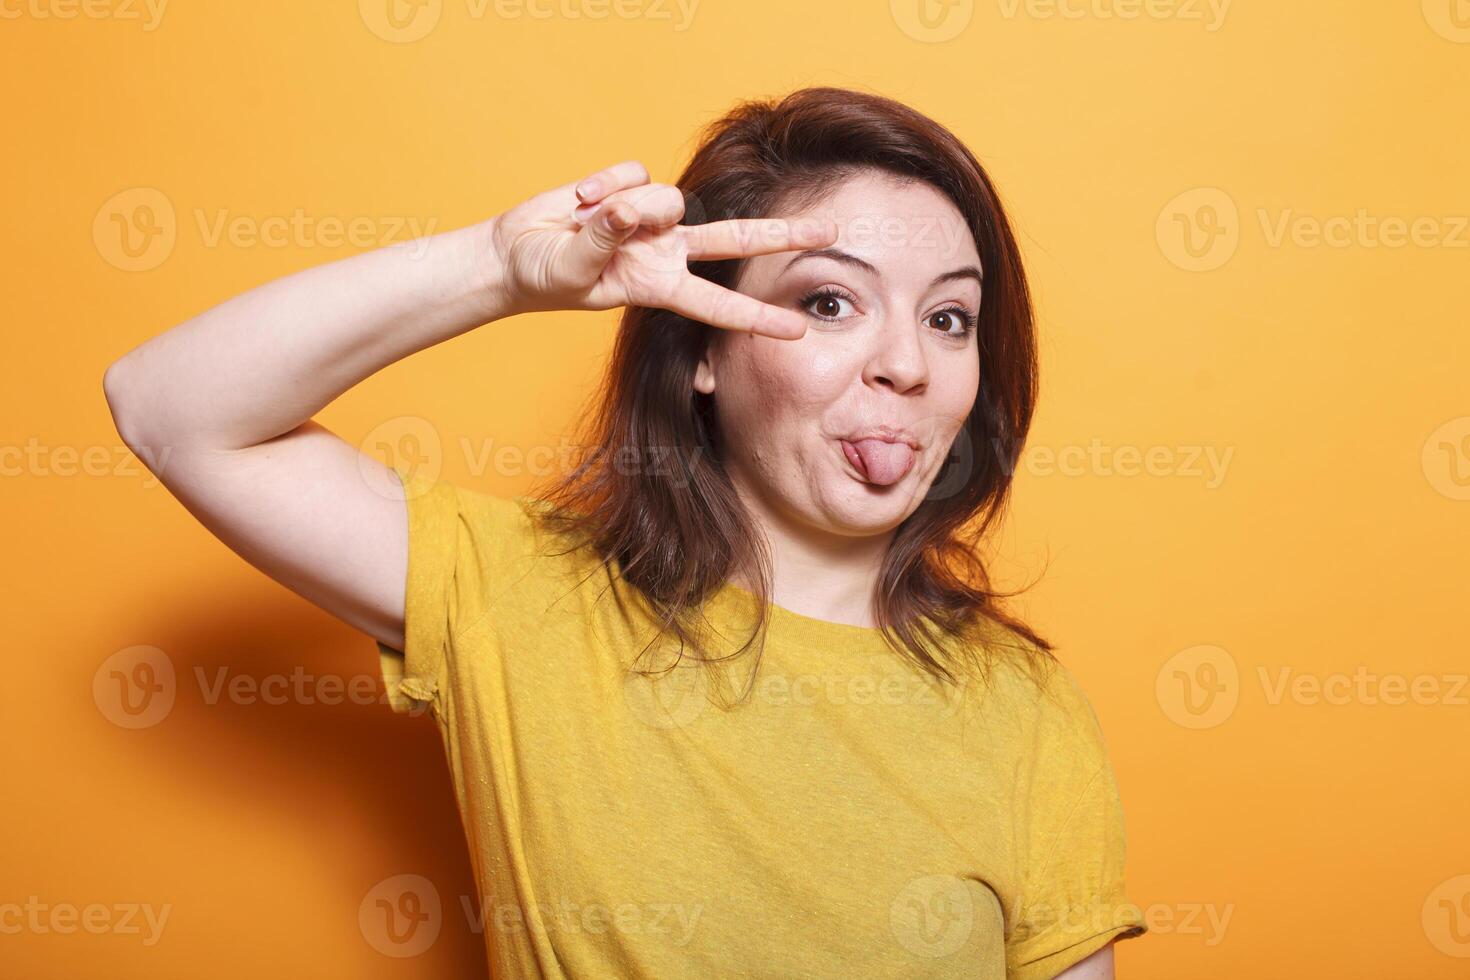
<point>881,462</point>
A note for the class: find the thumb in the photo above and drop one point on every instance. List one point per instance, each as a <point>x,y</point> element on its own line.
<point>598,239</point>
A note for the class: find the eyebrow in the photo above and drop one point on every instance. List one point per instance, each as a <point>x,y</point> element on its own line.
<point>964,272</point>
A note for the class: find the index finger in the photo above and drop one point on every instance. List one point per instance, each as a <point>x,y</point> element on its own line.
<point>738,237</point>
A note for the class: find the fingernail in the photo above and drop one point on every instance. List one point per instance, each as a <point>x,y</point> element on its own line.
<point>587,188</point>
<point>585,211</point>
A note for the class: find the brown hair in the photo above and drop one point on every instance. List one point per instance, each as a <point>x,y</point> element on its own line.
<point>678,537</point>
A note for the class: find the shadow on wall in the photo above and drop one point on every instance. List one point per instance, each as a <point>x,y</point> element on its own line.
<point>277,704</point>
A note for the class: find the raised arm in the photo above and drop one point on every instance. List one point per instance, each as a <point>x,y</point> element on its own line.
<point>220,407</point>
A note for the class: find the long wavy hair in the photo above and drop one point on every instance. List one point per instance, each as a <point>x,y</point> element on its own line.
<point>677,532</point>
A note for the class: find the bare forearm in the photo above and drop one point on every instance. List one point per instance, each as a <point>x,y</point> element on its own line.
<point>260,364</point>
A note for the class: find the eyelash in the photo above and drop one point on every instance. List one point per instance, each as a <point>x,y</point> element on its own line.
<point>966,318</point>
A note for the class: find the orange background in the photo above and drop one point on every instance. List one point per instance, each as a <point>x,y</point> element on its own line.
<point>1166,173</point>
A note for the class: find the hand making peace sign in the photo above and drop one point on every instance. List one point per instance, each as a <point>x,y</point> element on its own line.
<point>614,239</point>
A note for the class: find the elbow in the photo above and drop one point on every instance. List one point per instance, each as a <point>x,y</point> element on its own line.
<point>114,389</point>
<point>120,389</point>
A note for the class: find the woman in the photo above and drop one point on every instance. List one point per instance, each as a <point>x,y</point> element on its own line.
<point>733,695</point>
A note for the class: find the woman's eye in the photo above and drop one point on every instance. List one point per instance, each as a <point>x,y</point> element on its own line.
<point>826,305</point>
<point>953,322</point>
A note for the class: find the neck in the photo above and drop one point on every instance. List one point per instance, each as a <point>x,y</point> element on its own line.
<point>831,577</point>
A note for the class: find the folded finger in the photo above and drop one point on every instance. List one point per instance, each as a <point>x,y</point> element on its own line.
<point>658,205</point>
<point>595,187</point>
<point>594,244</point>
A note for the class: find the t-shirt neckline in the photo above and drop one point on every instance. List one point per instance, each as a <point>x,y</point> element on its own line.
<point>734,605</point>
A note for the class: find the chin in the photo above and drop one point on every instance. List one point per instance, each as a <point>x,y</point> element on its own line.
<point>861,508</point>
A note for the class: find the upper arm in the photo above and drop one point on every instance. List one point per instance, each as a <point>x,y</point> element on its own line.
<point>1098,966</point>
<point>311,511</point>
<point>1074,902</point>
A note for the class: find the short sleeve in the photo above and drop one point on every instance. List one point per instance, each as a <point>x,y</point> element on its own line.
<point>460,544</point>
<point>1073,901</point>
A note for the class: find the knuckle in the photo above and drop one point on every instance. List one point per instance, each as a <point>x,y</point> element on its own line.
<point>624,215</point>
<point>626,172</point>
<point>601,234</point>
<point>668,200</point>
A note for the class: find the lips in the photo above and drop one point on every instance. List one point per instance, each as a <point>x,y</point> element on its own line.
<point>881,460</point>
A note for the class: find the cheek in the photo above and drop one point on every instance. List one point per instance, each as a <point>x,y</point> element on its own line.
<point>780,383</point>
<point>777,397</point>
<point>971,394</point>
<point>953,395</point>
<point>826,372</point>
<point>807,377</point>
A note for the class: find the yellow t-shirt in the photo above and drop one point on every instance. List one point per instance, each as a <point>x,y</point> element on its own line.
<point>852,819</point>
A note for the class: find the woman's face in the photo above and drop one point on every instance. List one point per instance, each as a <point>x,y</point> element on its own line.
<point>889,353</point>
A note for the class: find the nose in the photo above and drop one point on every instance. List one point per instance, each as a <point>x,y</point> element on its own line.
<point>898,359</point>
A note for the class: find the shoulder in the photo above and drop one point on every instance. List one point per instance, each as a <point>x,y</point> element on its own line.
<point>475,545</point>
<point>1041,700</point>
<point>507,524</point>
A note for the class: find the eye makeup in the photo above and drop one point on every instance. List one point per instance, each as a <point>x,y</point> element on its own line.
<point>964,316</point>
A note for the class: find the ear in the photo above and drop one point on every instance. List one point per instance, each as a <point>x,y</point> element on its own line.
<point>704,375</point>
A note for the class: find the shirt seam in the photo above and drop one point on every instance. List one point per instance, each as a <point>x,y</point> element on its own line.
<point>1056,841</point>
